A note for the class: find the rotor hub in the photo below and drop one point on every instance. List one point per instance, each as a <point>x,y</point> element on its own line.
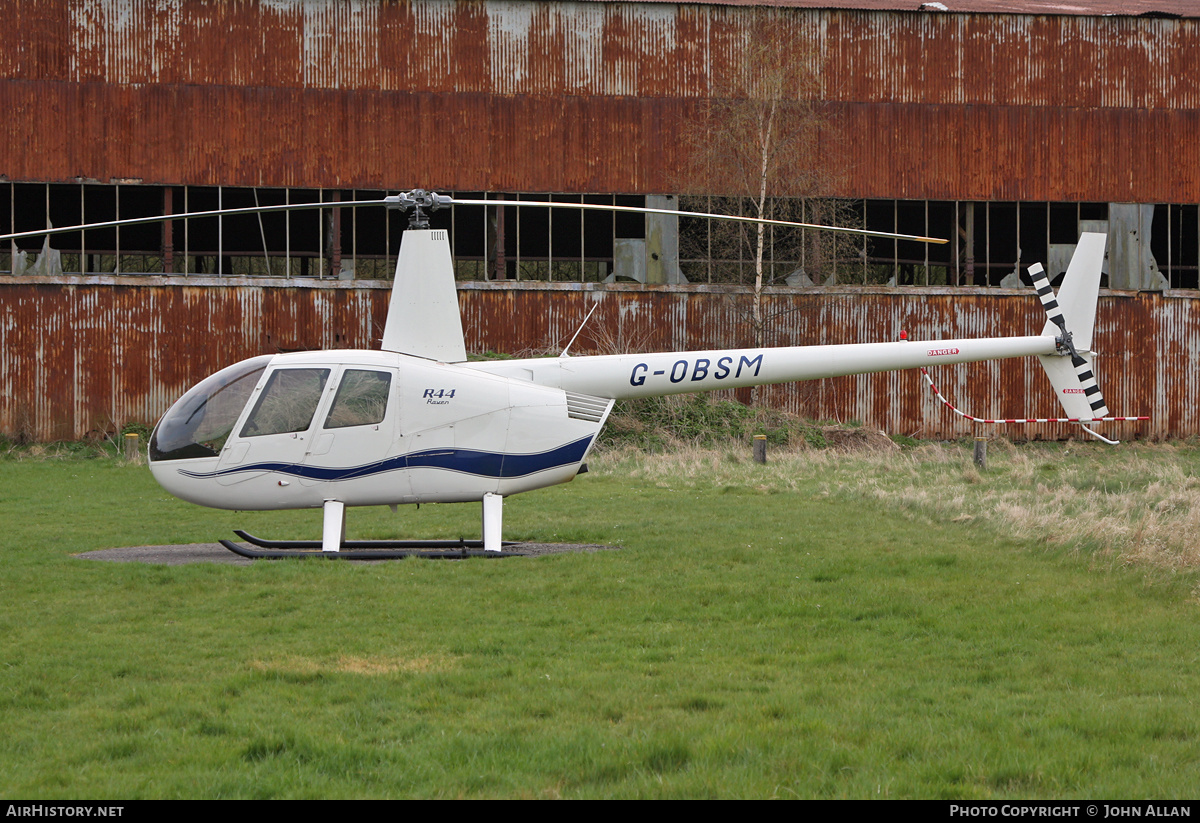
<point>419,201</point>
<point>1065,344</point>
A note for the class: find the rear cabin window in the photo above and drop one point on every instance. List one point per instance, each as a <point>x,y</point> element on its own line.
<point>288,402</point>
<point>361,399</point>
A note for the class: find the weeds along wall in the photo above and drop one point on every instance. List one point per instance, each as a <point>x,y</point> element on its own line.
<point>84,356</point>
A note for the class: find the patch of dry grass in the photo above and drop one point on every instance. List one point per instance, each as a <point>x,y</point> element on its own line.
<point>373,666</point>
<point>1137,503</point>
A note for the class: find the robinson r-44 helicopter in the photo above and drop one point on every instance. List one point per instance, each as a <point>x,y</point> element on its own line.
<point>414,422</point>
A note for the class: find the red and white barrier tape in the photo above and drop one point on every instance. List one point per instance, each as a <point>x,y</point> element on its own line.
<point>949,405</point>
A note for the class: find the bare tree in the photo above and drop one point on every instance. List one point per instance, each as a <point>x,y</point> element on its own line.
<point>757,146</point>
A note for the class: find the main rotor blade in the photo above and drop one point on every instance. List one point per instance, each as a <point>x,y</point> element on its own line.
<point>391,203</point>
<point>193,215</point>
<point>642,210</point>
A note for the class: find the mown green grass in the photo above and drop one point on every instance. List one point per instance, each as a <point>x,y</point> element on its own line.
<point>782,632</point>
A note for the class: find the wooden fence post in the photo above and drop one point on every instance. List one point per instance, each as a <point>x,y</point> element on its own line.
<point>981,452</point>
<point>760,448</point>
<point>133,454</point>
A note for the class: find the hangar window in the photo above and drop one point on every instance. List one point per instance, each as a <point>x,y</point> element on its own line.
<point>990,243</point>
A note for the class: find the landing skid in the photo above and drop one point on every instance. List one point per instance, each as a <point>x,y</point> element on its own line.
<point>333,542</point>
<point>363,549</point>
<point>263,543</point>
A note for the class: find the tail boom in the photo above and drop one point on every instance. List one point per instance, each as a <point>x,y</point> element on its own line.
<point>630,376</point>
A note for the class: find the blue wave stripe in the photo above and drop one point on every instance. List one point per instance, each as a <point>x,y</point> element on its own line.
<point>466,461</point>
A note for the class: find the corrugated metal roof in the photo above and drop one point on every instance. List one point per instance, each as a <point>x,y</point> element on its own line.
<point>587,97</point>
<point>1124,8</point>
<point>627,49</point>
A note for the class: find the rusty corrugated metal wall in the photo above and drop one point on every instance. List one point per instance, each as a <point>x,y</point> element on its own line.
<point>91,354</point>
<point>587,96</point>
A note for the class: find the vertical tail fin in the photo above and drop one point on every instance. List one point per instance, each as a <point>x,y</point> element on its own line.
<point>1080,290</point>
<point>423,317</point>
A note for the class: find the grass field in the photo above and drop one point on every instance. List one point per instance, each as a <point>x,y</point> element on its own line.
<point>879,625</point>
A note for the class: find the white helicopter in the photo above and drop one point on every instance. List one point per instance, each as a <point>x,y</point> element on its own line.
<point>416,423</point>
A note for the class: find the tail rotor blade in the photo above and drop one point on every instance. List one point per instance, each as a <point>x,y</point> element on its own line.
<point>1087,382</point>
<point>1046,294</point>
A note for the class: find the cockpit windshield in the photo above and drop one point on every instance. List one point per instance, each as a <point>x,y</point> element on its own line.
<point>200,422</point>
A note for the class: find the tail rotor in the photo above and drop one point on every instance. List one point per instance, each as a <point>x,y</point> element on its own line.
<point>1070,320</point>
<point>1096,409</point>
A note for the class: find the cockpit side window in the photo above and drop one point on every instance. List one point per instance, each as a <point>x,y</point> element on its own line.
<point>361,399</point>
<point>288,402</point>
